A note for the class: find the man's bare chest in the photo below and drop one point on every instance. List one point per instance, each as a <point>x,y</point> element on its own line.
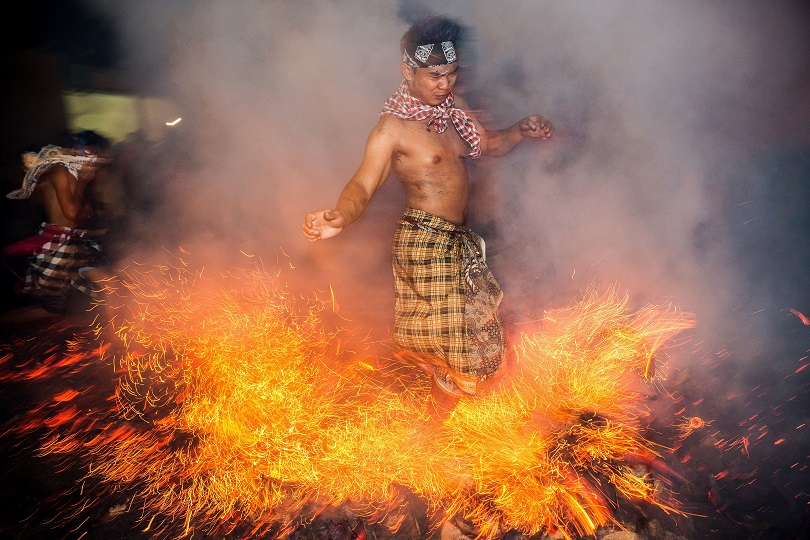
<point>420,143</point>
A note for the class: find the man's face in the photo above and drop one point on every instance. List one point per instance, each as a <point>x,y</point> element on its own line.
<point>431,85</point>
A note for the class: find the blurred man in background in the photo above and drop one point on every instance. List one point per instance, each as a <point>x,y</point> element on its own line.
<point>63,256</point>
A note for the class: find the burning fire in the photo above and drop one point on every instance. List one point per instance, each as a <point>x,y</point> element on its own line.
<point>236,404</point>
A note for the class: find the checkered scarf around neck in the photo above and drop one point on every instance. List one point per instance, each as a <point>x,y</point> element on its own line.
<point>404,105</point>
<point>36,163</point>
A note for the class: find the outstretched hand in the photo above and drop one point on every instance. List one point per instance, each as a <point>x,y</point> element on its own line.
<point>536,126</point>
<point>323,224</point>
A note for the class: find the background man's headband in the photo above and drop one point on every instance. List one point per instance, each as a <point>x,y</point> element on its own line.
<point>430,54</point>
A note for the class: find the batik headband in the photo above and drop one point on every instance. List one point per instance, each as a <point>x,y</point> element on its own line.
<point>430,54</point>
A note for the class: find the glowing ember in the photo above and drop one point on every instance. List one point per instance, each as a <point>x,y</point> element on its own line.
<point>802,317</point>
<point>690,424</point>
<point>235,404</point>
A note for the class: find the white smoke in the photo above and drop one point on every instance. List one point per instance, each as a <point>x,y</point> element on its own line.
<point>678,170</point>
<point>658,107</point>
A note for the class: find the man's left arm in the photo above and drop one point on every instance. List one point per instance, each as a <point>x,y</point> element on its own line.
<point>499,142</point>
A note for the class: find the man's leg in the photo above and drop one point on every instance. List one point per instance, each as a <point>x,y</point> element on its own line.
<point>441,404</point>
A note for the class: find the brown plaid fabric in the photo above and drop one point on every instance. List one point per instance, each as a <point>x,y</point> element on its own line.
<point>404,105</point>
<point>446,302</point>
<point>54,268</point>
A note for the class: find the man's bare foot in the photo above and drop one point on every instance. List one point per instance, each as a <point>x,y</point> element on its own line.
<point>440,403</point>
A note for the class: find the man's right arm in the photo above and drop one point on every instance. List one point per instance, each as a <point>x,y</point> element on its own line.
<point>357,193</point>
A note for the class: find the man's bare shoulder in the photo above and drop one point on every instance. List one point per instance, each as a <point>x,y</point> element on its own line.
<point>400,128</point>
<point>387,132</point>
<point>389,125</point>
<point>56,174</point>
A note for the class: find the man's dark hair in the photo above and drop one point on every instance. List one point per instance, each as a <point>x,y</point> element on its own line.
<point>435,29</point>
<point>84,139</point>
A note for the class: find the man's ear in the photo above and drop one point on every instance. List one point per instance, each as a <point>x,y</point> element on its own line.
<point>407,71</point>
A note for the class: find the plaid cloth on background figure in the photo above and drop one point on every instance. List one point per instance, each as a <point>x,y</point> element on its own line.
<point>54,268</point>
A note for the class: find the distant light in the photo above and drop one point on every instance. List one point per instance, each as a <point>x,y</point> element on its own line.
<point>174,123</point>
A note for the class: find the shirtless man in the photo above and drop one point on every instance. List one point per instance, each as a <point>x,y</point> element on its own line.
<point>64,257</point>
<point>446,299</point>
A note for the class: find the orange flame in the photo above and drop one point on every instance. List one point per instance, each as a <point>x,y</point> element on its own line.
<point>234,402</point>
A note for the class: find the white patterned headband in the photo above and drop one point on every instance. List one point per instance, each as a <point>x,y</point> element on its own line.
<point>430,54</point>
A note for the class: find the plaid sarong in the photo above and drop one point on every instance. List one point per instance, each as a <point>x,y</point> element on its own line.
<point>54,267</point>
<point>447,299</point>
<point>404,105</point>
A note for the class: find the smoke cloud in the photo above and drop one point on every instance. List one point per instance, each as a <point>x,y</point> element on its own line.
<point>679,170</point>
